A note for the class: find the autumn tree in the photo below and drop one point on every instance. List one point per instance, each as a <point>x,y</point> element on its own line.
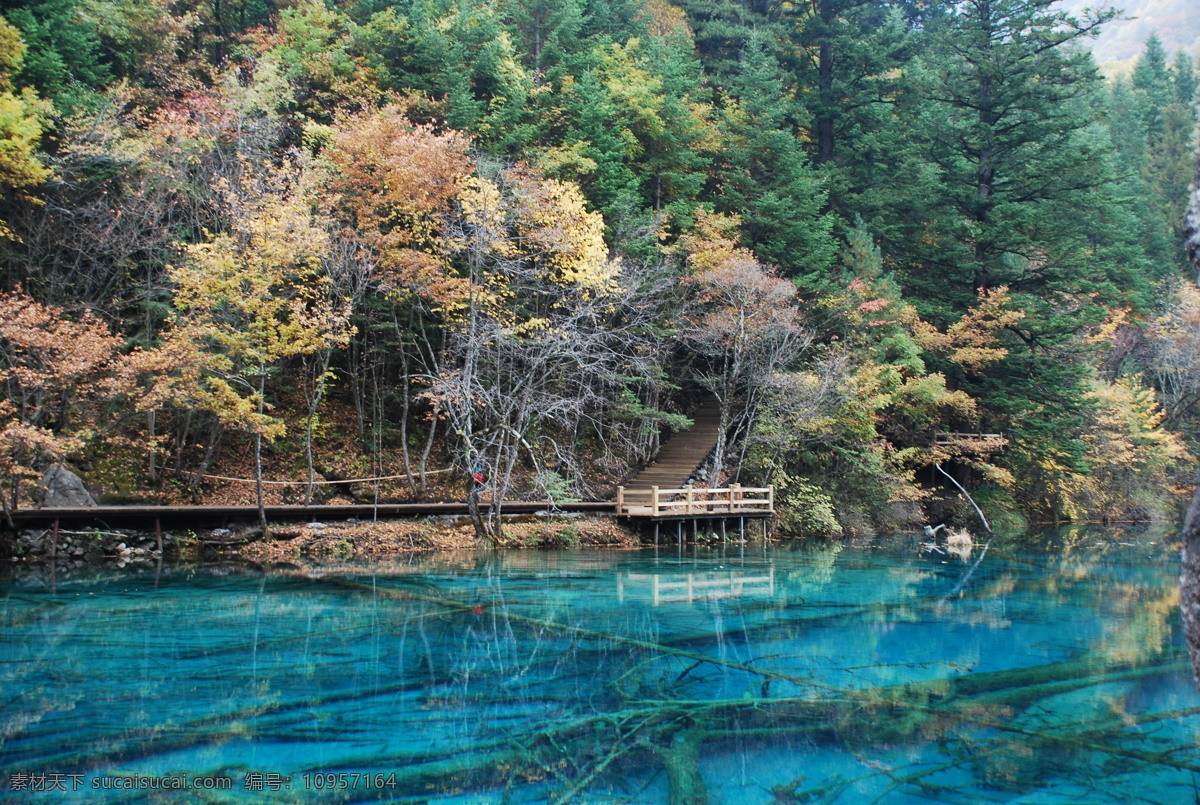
<point>249,299</point>
<point>744,323</point>
<point>60,380</point>
<point>543,341</point>
<point>394,186</point>
<point>22,121</point>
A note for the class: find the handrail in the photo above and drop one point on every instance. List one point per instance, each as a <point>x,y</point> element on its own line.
<point>698,501</point>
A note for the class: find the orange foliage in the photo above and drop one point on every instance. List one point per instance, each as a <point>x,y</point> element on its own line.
<point>58,376</point>
<point>972,342</point>
<point>394,183</point>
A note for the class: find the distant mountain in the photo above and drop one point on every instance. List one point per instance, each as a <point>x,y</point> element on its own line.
<point>1177,23</point>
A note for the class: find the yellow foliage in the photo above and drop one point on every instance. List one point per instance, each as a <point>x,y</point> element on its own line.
<point>1131,455</point>
<point>249,299</point>
<point>635,89</point>
<point>554,224</point>
<point>972,341</point>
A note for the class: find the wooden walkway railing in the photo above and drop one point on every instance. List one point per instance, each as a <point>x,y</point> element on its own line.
<point>733,501</point>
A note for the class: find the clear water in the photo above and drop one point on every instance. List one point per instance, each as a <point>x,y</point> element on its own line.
<point>1049,674</point>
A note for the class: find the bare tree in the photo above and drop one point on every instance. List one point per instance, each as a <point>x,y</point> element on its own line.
<point>1189,600</point>
<point>744,323</point>
<point>547,335</point>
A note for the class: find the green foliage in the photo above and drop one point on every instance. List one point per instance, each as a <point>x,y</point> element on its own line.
<point>765,176</point>
<point>557,488</point>
<point>64,60</point>
<point>806,510</point>
<point>22,120</point>
<point>975,225</point>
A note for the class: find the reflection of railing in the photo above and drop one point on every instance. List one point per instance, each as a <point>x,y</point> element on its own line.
<point>670,587</point>
<point>734,501</point>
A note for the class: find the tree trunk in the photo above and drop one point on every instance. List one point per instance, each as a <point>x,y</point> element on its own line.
<point>152,464</point>
<point>258,473</point>
<point>321,366</point>
<point>825,142</point>
<point>1189,582</point>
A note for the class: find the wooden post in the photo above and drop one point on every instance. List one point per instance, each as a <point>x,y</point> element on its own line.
<point>620,500</point>
<point>654,501</point>
<point>771,499</point>
<point>690,496</point>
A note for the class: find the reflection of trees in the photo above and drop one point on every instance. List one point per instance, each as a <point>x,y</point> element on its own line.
<point>1010,728</point>
<point>485,676</point>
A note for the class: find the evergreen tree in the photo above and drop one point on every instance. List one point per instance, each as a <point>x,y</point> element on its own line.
<point>764,175</point>
<point>1184,80</point>
<point>1030,202</point>
<point>1006,108</point>
<point>1152,78</point>
<point>63,60</point>
<point>854,48</point>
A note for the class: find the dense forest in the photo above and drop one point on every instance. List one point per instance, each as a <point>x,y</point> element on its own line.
<point>502,250</point>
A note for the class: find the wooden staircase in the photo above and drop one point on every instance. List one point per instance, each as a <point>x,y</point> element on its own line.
<point>683,452</point>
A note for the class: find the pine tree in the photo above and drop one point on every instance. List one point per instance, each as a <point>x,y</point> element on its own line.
<point>1029,201</point>
<point>1184,80</point>
<point>764,175</point>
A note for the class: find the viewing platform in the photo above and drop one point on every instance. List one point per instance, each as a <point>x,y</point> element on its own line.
<point>693,502</point>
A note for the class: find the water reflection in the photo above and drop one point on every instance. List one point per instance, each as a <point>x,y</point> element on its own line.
<point>814,674</point>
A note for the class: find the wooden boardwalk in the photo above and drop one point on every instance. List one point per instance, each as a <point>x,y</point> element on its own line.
<point>683,453</point>
<point>203,516</point>
<point>662,490</point>
<point>667,588</point>
<point>659,492</point>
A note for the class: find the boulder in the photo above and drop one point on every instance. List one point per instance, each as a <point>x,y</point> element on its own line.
<point>61,488</point>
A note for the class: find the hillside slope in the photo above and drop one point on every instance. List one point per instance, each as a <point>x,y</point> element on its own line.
<point>1177,23</point>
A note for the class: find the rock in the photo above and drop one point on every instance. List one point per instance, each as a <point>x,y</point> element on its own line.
<point>61,488</point>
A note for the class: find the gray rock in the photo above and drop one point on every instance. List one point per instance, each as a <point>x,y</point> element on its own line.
<point>61,488</point>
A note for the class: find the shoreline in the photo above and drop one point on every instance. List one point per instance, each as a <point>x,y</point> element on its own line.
<point>314,542</point>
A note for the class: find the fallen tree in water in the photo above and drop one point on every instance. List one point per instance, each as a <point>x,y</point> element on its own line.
<point>463,708</point>
<point>626,730</point>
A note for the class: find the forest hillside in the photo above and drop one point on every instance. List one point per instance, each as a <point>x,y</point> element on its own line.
<point>482,251</point>
<point>1175,22</point>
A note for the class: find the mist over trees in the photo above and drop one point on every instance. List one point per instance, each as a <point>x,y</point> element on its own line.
<point>500,251</point>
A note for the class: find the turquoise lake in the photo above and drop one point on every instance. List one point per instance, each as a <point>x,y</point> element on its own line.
<point>1051,671</point>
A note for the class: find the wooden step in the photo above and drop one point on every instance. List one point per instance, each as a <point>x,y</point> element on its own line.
<point>680,455</point>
